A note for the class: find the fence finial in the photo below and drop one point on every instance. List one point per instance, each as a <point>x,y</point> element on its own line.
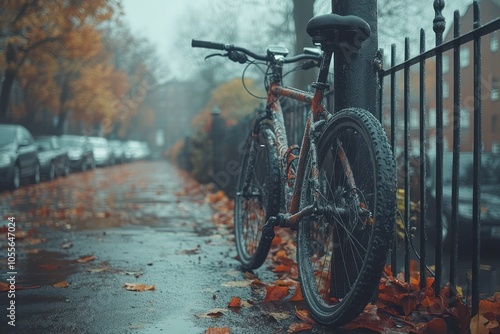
<point>439,23</point>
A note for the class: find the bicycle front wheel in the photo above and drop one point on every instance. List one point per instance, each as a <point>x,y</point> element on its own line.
<point>257,197</point>
<point>342,248</point>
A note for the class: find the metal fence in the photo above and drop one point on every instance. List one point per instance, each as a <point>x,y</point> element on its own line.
<point>437,132</point>
<point>412,97</point>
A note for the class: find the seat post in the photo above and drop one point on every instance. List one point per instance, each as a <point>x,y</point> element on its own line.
<point>355,77</point>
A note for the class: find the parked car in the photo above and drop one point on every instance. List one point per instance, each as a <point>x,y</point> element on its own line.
<point>53,157</point>
<point>118,148</point>
<point>489,195</point>
<point>103,154</point>
<point>81,156</point>
<point>18,156</point>
<point>137,150</point>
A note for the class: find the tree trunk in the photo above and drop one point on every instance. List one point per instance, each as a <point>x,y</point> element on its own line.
<point>8,81</point>
<point>303,11</point>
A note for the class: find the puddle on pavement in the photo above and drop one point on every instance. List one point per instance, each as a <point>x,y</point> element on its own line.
<point>44,268</point>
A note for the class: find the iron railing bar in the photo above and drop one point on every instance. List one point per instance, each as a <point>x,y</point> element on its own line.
<point>394,267</point>
<point>423,166</point>
<point>456,158</point>
<point>439,25</point>
<point>482,31</point>
<point>406,144</point>
<point>476,182</point>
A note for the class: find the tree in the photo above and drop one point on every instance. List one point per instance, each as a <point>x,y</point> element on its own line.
<point>31,25</point>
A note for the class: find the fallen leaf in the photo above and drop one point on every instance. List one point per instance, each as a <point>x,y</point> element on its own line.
<point>236,284</point>
<point>218,330</point>
<point>282,268</point>
<point>105,214</point>
<point>48,266</point>
<point>275,293</point>
<point>299,327</point>
<point>436,326</point>
<point>478,324</point>
<point>97,270</point>
<point>235,302</point>
<point>138,287</point>
<point>297,296</point>
<point>213,313</point>
<point>84,259</point>
<point>304,316</point>
<point>67,245</point>
<point>192,251</point>
<point>33,251</point>
<point>62,284</point>
<point>279,315</point>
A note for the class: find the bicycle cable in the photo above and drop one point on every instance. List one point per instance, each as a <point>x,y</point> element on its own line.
<point>243,78</point>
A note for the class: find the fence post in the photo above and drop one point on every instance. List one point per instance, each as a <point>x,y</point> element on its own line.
<point>216,135</point>
<point>356,79</point>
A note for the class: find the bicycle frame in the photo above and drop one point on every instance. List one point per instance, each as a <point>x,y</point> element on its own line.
<point>317,115</point>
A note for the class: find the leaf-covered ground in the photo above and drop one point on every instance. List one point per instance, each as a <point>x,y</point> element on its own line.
<point>400,308</point>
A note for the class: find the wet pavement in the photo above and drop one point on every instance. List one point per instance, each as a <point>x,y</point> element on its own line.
<point>80,239</point>
<point>141,227</point>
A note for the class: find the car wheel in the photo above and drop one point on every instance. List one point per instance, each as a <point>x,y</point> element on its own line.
<point>16,178</point>
<point>66,168</point>
<point>92,164</point>
<point>84,166</point>
<point>35,179</point>
<point>52,172</point>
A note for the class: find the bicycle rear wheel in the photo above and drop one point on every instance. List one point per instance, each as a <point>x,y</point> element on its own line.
<point>257,197</point>
<point>341,250</point>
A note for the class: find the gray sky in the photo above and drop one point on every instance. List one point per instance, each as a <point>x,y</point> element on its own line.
<point>155,19</point>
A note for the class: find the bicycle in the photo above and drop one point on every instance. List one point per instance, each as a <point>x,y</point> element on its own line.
<point>339,186</point>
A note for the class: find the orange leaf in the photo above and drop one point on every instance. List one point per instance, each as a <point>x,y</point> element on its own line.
<point>275,293</point>
<point>218,330</point>
<point>281,254</point>
<point>282,268</point>
<point>486,306</point>
<point>235,302</point>
<point>4,287</point>
<point>436,326</point>
<point>138,287</point>
<point>298,327</point>
<point>304,316</point>
<point>86,258</point>
<point>297,296</point>
<point>48,266</point>
<point>62,284</point>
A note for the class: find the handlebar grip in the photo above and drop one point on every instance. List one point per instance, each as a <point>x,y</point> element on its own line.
<point>207,45</point>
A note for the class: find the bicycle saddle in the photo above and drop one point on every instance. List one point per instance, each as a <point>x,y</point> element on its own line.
<point>337,29</point>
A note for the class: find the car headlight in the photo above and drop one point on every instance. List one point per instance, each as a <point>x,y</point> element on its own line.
<point>465,210</point>
<point>4,160</point>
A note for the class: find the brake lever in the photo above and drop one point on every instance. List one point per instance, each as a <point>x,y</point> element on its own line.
<point>216,54</point>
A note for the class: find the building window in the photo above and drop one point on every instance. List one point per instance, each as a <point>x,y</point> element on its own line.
<point>446,115</point>
<point>446,64</point>
<point>494,42</point>
<point>414,119</point>
<point>432,117</point>
<point>464,57</point>
<point>446,90</point>
<point>495,148</point>
<point>494,94</point>
<point>464,119</point>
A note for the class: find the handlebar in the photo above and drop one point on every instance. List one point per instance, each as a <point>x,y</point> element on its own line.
<point>262,57</point>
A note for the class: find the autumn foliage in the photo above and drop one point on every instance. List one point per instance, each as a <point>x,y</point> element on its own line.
<point>56,64</point>
<point>401,307</point>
